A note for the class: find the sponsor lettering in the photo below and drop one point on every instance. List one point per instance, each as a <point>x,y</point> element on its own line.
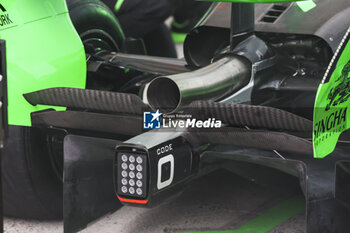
<point>4,17</point>
<point>330,122</point>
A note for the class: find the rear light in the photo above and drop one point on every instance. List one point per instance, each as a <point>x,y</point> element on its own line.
<point>129,180</point>
<point>151,167</point>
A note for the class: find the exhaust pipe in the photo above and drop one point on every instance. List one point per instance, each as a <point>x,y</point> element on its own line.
<point>213,82</point>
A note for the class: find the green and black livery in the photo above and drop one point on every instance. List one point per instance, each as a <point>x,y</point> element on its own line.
<point>331,111</point>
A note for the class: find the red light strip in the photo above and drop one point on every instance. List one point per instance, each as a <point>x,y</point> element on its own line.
<point>132,200</point>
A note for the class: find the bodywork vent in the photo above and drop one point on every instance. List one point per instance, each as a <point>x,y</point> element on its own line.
<point>274,13</point>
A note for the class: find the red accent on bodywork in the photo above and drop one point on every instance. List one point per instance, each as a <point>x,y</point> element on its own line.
<point>132,200</point>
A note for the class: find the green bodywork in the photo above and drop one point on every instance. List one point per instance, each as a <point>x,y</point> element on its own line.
<point>118,5</point>
<point>331,111</point>
<point>43,50</point>
<point>306,5</point>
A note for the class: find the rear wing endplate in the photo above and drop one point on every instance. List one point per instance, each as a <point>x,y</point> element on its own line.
<point>331,110</point>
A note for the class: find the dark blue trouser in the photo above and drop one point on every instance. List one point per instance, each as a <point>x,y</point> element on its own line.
<point>145,19</point>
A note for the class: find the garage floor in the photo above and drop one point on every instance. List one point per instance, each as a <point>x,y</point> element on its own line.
<point>217,202</point>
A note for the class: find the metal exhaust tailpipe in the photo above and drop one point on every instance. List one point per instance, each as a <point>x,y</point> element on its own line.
<point>213,82</point>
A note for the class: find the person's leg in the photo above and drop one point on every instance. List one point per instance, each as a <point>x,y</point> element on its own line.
<point>160,43</point>
<point>187,14</point>
<point>140,17</point>
<point>110,3</point>
<point>145,19</point>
